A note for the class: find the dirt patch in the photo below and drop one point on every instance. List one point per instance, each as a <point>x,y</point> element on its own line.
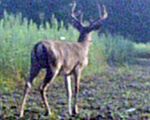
<point>116,95</point>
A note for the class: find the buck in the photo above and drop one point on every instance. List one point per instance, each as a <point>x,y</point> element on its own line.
<point>62,58</point>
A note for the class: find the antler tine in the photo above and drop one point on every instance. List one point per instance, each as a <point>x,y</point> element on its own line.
<point>76,23</point>
<point>73,9</point>
<point>99,10</point>
<point>73,12</point>
<point>81,17</point>
<point>105,13</point>
<point>97,23</point>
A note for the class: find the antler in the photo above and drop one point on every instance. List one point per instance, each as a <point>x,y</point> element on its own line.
<point>105,14</point>
<point>76,23</point>
<point>97,23</point>
<point>93,25</point>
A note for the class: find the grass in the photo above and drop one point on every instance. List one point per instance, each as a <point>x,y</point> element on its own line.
<point>117,50</point>
<point>142,50</point>
<point>18,36</point>
<point>113,90</point>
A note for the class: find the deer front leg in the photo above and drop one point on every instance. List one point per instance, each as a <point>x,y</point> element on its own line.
<point>69,92</point>
<point>77,75</point>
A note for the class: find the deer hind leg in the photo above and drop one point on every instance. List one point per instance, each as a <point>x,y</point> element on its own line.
<point>33,73</point>
<point>69,92</point>
<point>50,76</point>
<point>77,76</point>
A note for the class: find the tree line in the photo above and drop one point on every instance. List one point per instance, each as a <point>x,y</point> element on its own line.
<point>129,18</point>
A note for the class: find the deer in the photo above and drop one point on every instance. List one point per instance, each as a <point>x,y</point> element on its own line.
<point>62,58</point>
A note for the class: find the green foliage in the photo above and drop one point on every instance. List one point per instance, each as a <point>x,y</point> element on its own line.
<point>18,36</point>
<point>17,39</point>
<point>117,50</point>
<point>6,85</point>
<point>142,50</point>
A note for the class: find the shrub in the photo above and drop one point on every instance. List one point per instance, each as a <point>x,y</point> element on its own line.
<point>117,50</point>
<point>16,41</point>
<point>142,50</point>
<point>18,35</point>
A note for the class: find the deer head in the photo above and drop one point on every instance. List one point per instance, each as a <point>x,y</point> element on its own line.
<point>85,30</point>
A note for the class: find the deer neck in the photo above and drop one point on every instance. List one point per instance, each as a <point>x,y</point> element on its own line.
<point>85,40</point>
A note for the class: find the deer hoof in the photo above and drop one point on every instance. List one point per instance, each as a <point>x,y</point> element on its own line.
<point>47,113</point>
<point>21,116</point>
<point>75,110</point>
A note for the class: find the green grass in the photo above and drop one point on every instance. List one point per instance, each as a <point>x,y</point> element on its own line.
<point>18,36</point>
<point>142,50</point>
<point>117,50</point>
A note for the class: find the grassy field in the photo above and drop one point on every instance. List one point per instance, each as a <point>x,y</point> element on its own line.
<point>114,86</point>
<point>18,37</point>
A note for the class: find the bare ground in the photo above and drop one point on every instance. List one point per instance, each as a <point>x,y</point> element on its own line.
<point>118,94</point>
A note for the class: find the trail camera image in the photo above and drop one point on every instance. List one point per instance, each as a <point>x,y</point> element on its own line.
<point>74,59</point>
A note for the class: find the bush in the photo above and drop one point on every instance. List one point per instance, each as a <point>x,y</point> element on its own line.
<point>117,50</point>
<point>18,36</point>
<point>17,39</point>
<point>142,50</point>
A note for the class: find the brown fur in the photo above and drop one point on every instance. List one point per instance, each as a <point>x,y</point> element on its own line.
<point>67,54</point>
<point>63,58</point>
